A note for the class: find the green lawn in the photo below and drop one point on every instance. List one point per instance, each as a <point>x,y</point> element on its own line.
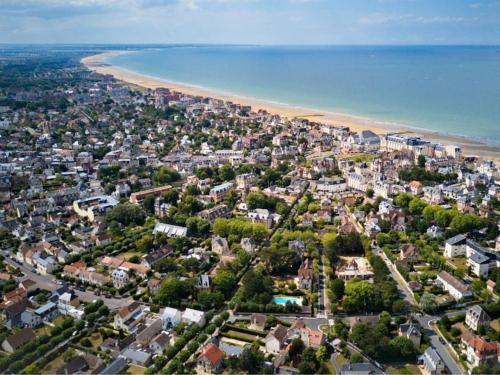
<point>53,366</point>
<point>405,369</point>
<point>129,254</point>
<point>135,370</point>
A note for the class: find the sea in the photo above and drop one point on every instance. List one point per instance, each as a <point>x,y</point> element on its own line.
<point>452,90</point>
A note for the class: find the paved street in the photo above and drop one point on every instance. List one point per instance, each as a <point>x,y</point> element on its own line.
<point>442,349</point>
<point>424,320</point>
<point>321,313</point>
<point>48,282</point>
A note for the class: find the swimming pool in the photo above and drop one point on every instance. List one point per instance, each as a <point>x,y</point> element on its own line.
<point>282,300</point>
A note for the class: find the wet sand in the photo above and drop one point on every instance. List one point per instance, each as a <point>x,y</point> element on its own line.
<point>98,64</point>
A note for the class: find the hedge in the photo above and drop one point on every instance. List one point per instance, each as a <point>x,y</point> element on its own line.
<point>228,327</point>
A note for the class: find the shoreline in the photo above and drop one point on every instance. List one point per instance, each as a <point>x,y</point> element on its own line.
<point>98,64</point>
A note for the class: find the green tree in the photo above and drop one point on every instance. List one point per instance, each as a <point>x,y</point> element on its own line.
<point>338,288</point>
<point>225,282</point>
<point>421,161</point>
<point>166,175</point>
<point>428,302</point>
<point>356,358</point>
<point>126,214</point>
<point>172,291</point>
<point>251,359</point>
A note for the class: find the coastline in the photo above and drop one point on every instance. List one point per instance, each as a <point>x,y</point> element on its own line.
<point>98,64</point>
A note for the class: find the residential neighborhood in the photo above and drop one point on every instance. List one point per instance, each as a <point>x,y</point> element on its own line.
<point>149,231</point>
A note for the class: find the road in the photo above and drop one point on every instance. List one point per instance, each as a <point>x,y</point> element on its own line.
<point>48,282</point>
<point>321,286</point>
<point>444,350</point>
<point>402,284</point>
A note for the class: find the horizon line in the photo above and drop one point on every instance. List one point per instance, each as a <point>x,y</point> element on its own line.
<point>253,44</point>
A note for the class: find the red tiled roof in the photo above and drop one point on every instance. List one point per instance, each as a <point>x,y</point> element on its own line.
<point>212,353</point>
<point>481,346</point>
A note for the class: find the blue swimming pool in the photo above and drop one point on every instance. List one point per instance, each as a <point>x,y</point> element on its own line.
<point>283,300</point>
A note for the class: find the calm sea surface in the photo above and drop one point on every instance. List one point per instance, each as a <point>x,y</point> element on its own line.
<point>452,90</point>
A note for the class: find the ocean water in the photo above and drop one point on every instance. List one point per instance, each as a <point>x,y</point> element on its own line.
<point>447,89</point>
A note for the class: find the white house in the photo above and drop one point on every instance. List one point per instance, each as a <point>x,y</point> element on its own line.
<point>171,317</point>
<point>431,363</point>
<point>120,277</point>
<point>170,230</point>
<point>190,316</point>
<point>452,285</point>
<point>219,245</point>
<point>476,317</point>
<point>455,246</point>
<point>275,339</point>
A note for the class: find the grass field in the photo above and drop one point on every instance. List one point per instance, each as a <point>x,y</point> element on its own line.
<point>135,370</point>
<point>129,254</point>
<point>403,370</point>
<point>53,366</point>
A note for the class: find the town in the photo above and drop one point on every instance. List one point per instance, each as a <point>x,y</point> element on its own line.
<point>147,231</point>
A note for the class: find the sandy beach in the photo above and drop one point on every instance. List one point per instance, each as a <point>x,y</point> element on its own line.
<point>98,64</point>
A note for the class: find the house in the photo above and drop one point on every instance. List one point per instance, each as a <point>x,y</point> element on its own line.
<point>151,331</point>
<point>28,285</point>
<point>411,331</point>
<point>128,317</point>
<point>262,215</point>
<point>476,317</point>
<point>490,285</point>
<point>116,367</point>
<point>455,246</point>
<point>171,317</point>
<point>153,286</point>
<point>160,343</point>
<point>172,231</point>
<point>13,312</point>
<point>217,193</point>
<point>137,357</point>
<point>311,337</point>
<point>298,245</point>
<point>431,363</point>
<point>480,264</point>
<point>190,316</point>
<point>210,360</point>
<point>203,281</point>
<point>479,351</point>
<point>149,259</point>
<point>434,231</point>
<point>48,311</point>
<point>363,368</point>
<point>137,197</point>
<point>219,245</point>
<point>15,341</point>
<point>457,289</point>
<point>275,339</point>
<point>409,253</point>
<point>415,187</point>
<point>120,277</point>
<point>82,364</point>
<point>210,214</point>
<point>248,244</point>
<point>305,275</point>
<point>355,268</point>
<point>257,322</point>
<point>46,265</point>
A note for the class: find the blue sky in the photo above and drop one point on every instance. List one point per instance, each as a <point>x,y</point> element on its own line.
<point>251,21</point>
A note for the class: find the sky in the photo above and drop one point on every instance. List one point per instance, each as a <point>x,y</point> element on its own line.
<point>299,22</point>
